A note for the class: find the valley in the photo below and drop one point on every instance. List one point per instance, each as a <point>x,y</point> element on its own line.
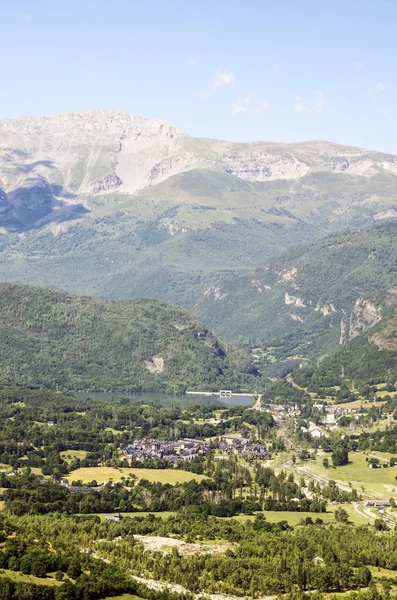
<point>68,476</point>
<point>286,257</point>
<point>198,300</point>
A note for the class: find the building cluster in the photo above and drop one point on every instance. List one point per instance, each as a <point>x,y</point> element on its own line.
<point>244,447</point>
<point>179,451</point>
<point>282,411</point>
<point>333,412</point>
<point>173,452</point>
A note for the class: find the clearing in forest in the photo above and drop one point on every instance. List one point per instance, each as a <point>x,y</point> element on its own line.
<point>105,474</point>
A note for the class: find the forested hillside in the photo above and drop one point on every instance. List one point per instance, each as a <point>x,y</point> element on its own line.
<point>311,300</point>
<point>369,359</point>
<point>52,338</point>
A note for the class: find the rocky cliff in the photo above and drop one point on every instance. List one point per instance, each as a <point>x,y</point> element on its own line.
<point>48,164</point>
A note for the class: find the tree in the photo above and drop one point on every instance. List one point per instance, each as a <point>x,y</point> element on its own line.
<point>380,525</point>
<point>363,577</point>
<point>340,456</point>
<point>66,591</point>
<point>74,568</point>
<point>341,515</point>
<point>325,463</point>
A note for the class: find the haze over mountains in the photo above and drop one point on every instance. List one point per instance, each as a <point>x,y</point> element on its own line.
<point>107,204</point>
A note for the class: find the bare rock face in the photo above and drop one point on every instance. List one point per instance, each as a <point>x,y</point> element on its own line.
<point>365,315</point>
<point>294,301</point>
<point>155,365</point>
<point>74,157</point>
<point>387,339</point>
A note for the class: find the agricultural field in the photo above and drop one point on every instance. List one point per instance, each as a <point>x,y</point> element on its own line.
<point>377,483</point>
<point>105,474</point>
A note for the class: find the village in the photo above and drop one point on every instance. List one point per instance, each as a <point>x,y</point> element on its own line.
<point>185,450</point>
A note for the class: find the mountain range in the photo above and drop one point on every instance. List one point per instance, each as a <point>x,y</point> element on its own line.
<point>280,248</point>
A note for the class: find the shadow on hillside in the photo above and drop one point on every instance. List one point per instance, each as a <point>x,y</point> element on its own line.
<point>28,167</point>
<point>36,205</point>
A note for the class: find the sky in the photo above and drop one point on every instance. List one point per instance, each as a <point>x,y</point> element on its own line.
<point>274,70</point>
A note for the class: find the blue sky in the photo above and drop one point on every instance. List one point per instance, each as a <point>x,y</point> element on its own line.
<point>277,70</point>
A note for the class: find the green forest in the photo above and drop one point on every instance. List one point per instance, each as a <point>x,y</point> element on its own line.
<point>54,339</point>
<point>250,309</point>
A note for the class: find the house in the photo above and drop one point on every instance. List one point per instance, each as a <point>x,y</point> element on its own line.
<point>315,432</point>
<point>116,518</point>
<point>378,503</point>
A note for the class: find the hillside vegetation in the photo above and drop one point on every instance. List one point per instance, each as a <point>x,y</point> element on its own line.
<point>50,338</point>
<point>369,359</point>
<point>312,299</point>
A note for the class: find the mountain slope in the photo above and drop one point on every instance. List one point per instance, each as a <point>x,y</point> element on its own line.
<point>50,338</point>
<point>115,205</point>
<point>309,301</point>
<point>369,359</point>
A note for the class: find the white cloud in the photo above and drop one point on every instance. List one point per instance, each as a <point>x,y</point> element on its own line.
<point>315,108</point>
<point>262,107</point>
<point>249,104</point>
<point>223,79</point>
<point>374,92</point>
<point>242,105</point>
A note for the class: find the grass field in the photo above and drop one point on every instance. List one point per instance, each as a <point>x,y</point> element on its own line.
<point>71,455</point>
<point>163,515</point>
<point>104,474</point>
<point>20,577</point>
<point>123,597</point>
<point>381,572</point>
<point>293,518</point>
<point>378,483</point>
